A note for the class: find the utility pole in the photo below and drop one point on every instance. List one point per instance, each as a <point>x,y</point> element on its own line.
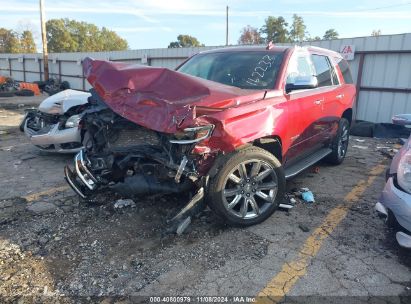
<point>44,41</point>
<point>226,26</point>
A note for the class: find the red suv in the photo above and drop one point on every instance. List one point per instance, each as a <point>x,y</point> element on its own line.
<point>230,125</point>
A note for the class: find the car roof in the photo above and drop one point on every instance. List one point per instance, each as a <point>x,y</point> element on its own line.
<point>275,49</point>
<point>247,49</point>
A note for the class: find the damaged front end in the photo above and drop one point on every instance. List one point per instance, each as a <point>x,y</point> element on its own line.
<point>156,131</point>
<point>132,160</point>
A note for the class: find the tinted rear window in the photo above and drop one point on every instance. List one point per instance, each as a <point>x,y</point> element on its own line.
<point>245,70</point>
<point>345,70</point>
<point>323,69</point>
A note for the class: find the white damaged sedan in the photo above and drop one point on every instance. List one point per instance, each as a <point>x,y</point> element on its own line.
<point>395,200</point>
<point>53,127</point>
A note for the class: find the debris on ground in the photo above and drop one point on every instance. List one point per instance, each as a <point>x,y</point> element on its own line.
<point>10,87</point>
<point>303,228</point>
<point>285,206</point>
<point>379,130</point>
<point>316,169</point>
<point>53,86</point>
<point>122,203</point>
<point>183,225</point>
<point>307,195</point>
<point>360,140</point>
<point>289,202</point>
<point>387,151</point>
<point>360,147</point>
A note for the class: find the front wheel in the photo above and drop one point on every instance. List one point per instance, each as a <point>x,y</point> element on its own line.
<point>248,187</point>
<point>339,145</point>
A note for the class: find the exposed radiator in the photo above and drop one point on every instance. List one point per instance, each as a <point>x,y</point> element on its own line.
<point>134,137</point>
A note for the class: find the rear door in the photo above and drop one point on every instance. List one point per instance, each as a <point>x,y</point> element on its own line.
<point>329,85</point>
<point>304,109</point>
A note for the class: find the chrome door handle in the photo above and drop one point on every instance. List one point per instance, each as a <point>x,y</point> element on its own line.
<point>318,102</point>
<point>340,96</point>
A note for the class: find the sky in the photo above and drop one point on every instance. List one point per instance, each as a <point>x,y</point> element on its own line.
<point>155,23</point>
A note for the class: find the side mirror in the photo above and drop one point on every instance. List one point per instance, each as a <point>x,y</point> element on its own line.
<point>402,119</point>
<point>302,83</point>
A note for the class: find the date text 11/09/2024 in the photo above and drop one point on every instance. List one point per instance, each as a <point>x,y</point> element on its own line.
<point>203,299</point>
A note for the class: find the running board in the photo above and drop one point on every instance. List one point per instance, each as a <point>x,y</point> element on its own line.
<point>303,164</point>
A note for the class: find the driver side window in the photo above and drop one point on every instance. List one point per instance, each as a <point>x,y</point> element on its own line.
<point>299,66</point>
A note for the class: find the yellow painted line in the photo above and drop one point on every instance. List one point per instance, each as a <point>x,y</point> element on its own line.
<point>292,271</point>
<point>35,196</point>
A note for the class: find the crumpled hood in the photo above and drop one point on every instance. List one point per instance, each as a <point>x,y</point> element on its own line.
<point>159,98</point>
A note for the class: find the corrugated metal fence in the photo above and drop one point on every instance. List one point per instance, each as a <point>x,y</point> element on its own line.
<point>381,69</point>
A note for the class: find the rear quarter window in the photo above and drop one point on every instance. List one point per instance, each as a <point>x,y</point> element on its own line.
<point>323,70</point>
<point>345,70</point>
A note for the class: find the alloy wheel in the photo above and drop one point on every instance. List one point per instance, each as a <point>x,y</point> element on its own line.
<point>250,188</point>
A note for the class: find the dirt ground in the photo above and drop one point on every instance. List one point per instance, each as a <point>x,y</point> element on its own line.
<point>55,248</point>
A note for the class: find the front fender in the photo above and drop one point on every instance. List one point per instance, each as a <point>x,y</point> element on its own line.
<point>238,126</point>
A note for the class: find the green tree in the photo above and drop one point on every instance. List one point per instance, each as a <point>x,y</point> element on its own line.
<point>250,35</point>
<point>9,41</point>
<point>330,34</point>
<point>59,38</point>
<point>27,44</point>
<point>65,35</point>
<point>297,31</point>
<point>275,30</point>
<point>315,38</point>
<point>111,41</point>
<point>185,41</point>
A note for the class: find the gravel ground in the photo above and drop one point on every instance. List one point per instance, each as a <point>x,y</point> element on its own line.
<point>56,248</point>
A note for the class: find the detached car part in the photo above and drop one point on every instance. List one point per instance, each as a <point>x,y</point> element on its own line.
<point>54,126</point>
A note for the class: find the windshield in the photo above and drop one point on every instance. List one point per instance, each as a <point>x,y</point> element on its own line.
<point>245,70</point>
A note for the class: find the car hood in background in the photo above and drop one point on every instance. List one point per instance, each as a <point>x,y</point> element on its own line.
<point>60,102</point>
<point>159,98</point>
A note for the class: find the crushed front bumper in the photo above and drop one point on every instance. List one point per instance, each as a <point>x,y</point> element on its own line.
<point>81,180</point>
<point>397,203</point>
<point>53,136</point>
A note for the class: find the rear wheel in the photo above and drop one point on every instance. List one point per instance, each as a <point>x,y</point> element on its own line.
<point>339,145</point>
<point>248,187</point>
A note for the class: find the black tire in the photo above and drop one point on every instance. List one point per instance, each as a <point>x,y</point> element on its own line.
<point>52,92</point>
<point>6,94</point>
<point>363,129</point>
<point>339,144</point>
<point>65,85</point>
<point>251,186</point>
<point>24,92</point>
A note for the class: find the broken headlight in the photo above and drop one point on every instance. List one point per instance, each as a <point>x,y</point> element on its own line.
<point>404,171</point>
<point>192,135</point>
<point>73,121</point>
